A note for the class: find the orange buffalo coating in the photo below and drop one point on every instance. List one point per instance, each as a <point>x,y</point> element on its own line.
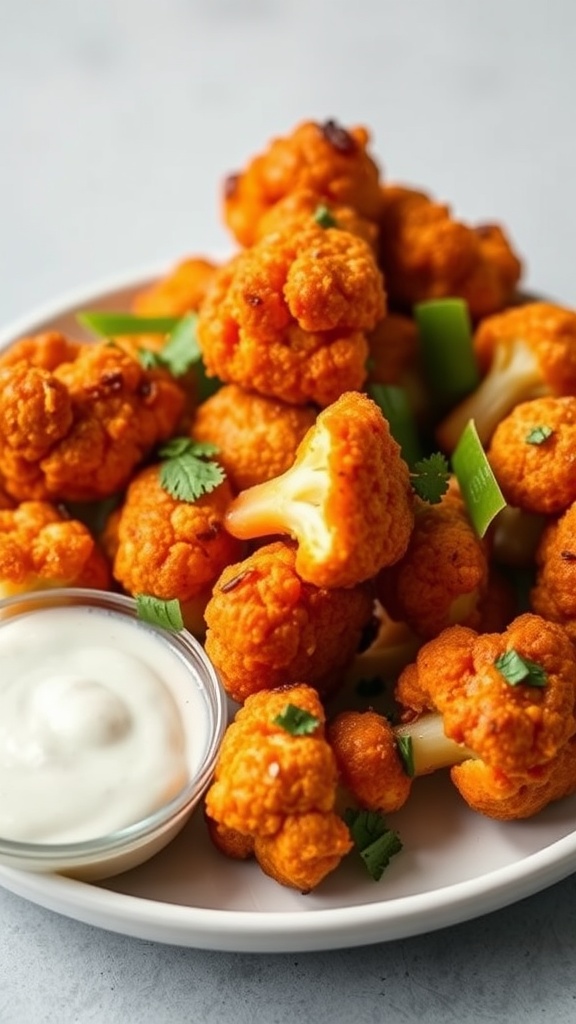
<point>267,627</point>
<point>426,254</point>
<point>256,436</point>
<point>77,433</point>
<point>554,591</point>
<point>180,291</point>
<point>289,317</point>
<point>47,350</point>
<point>41,547</point>
<point>278,790</point>
<point>299,209</point>
<point>327,159</point>
<point>371,769</point>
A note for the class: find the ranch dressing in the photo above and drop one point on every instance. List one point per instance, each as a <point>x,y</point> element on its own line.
<point>91,736</point>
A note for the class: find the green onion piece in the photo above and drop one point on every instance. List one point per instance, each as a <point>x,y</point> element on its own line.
<point>166,614</point>
<point>448,355</point>
<point>296,721</point>
<point>109,325</point>
<point>517,669</point>
<point>375,842</point>
<point>406,751</point>
<point>480,490</point>
<point>538,435</point>
<point>324,218</point>
<point>393,401</point>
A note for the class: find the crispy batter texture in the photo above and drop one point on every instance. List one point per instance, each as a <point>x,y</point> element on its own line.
<point>367,756</point>
<point>41,547</point>
<point>393,348</point>
<point>77,433</point>
<point>306,849</point>
<point>442,579</point>
<point>289,317</point>
<point>180,291</point>
<point>537,476</point>
<point>346,500</point>
<point>303,207</point>
<point>171,548</point>
<point>47,350</point>
<point>257,437</point>
<point>523,353</point>
<point>426,254</point>
<point>327,159</point>
<point>554,591</point>
<point>267,627</point>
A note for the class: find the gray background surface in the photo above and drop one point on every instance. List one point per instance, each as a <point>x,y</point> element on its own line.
<point>118,120</point>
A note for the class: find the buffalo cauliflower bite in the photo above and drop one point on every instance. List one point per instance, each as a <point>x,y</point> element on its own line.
<point>301,208</point>
<point>533,455</point>
<point>180,291</point>
<point>442,578</point>
<point>256,436</point>
<point>426,254</point>
<point>266,626</point>
<point>289,317</point>
<point>47,350</point>
<point>278,790</point>
<point>516,728</point>
<point>77,433</point>
<point>170,548</point>
<point>40,547</point>
<point>554,592</point>
<point>327,159</point>
<point>370,766</point>
<point>523,353</point>
<point>346,499</point>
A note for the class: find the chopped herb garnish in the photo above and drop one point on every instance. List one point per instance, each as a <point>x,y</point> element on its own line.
<point>296,721</point>
<point>479,487</point>
<point>395,406</point>
<point>539,434</point>
<point>109,325</point>
<point>430,477</point>
<point>187,471</point>
<point>181,351</point>
<point>517,669</point>
<point>406,751</point>
<point>166,614</point>
<point>448,358</point>
<point>324,218</point>
<point>375,842</point>
<point>370,687</point>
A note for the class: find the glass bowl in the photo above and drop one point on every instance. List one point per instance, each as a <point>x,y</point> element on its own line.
<point>195,699</point>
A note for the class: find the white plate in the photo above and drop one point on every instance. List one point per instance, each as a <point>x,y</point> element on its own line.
<point>455,864</point>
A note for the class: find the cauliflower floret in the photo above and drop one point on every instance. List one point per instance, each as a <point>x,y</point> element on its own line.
<point>347,498</point>
<point>40,547</point>
<point>426,254</point>
<point>267,627</point>
<point>523,353</point>
<point>180,291</point>
<point>306,848</point>
<point>289,317</point>
<point>331,161</point>
<point>533,455</point>
<point>78,432</point>
<point>256,436</point>
<point>171,548</point>
<point>371,769</point>
<point>301,208</point>
<point>554,591</point>
<point>47,350</point>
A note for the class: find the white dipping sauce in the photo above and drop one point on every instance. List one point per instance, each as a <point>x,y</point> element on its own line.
<point>91,736</point>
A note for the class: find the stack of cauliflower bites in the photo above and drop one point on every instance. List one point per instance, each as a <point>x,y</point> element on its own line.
<point>263,484</point>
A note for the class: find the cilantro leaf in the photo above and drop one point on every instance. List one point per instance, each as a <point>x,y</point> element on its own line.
<point>296,721</point>
<point>406,751</point>
<point>517,669</point>
<point>157,612</point>
<point>324,218</point>
<point>375,842</point>
<point>539,434</point>
<point>430,477</point>
<point>185,473</point>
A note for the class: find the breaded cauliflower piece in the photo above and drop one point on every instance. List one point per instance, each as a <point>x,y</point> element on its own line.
<point>304,207</point>
<point>47,350</point>
<point>257,437</point>
<point>170,548</point>
<point>554,593</point>
<point>77,433</point>
<point>442,578</point>
<point>289,317</point>
<point>523,353</point>
<point>180,291</point>
<point>40,547</point>
<point>516,728</point>
<point>347,498</point>
<point>276,787</point>
<point>370,767</point>
<point>329,160</point>
<point>426,254</point>
<point>533,455</point>
<point>267,627</point>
